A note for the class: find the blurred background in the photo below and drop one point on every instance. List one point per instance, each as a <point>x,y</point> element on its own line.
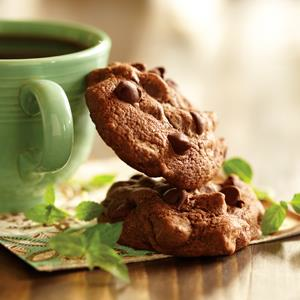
<point>239,58</point>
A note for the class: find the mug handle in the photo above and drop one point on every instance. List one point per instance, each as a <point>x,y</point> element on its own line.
<point>49,99</point>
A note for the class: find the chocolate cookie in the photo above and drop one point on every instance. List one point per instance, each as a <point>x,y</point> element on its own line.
<point>218,219</point>
<point>152,127</point>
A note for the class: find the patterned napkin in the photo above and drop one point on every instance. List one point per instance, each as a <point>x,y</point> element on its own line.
<point>29,240</point>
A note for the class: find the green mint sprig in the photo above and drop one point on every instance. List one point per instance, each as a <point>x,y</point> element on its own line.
<point>295,202</point>
<point>274,215</point>
<point>96,244</point>
<point>243,170</point>
<point>262,194</point>
<point>238,167</point>
<point>98,181</point>
<point>128,251</point>
<point>93,183</point>
<point>88,210</point>
<point>46,213</point>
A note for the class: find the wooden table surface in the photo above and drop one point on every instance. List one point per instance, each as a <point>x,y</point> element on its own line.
<point>265,271</point>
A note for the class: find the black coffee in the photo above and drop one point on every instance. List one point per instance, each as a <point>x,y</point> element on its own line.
<point>21,46</point>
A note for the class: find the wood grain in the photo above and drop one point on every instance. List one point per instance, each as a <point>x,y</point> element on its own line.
<point>266,271</point>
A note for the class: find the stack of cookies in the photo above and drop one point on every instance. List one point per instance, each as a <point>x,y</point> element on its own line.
<point>193,210</point>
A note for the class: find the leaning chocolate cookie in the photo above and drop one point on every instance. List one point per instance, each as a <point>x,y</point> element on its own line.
<point>218,219</point>
<point>152,127</point>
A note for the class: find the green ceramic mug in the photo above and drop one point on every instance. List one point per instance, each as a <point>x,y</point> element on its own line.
<point>45,129</point>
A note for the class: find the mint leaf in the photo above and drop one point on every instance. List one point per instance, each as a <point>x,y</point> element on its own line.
<point>101,180</point>
<point>45,214</point>
<point>128,251</point>
<point>296,203</point>
<point>93,243</point>
<point>98,181</point>
<point>88,210</point>
<point>49,195</point>
<point>273,218</point>
<point>107,259</point>
<point>39,213</point>
<point>108,233</point>
<point>67,244</point>
<point>262,195</point>
<point>238,167</point>
<point>56,215</point>
<point>284,204</point>
<point>276,213</point>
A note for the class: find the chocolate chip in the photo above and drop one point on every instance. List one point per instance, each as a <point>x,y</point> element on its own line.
<point>137,176</point>
<point>179,142</point>
<point>135,78</point>
<point>174,196</point>
<point>162,187</point>
<point>162,71</point>
<point>141,67</point>
<point>231,180</point>
<point>154,88</point>
<point>198,122</point>
<point>232,195</point>
<point>159,71</point>
<point>147,182</point>
<point>171,83</point>
<point>128,92</point>
<point>240,203</point>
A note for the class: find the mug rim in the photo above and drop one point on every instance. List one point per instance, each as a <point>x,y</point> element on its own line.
<point>103,44</point>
